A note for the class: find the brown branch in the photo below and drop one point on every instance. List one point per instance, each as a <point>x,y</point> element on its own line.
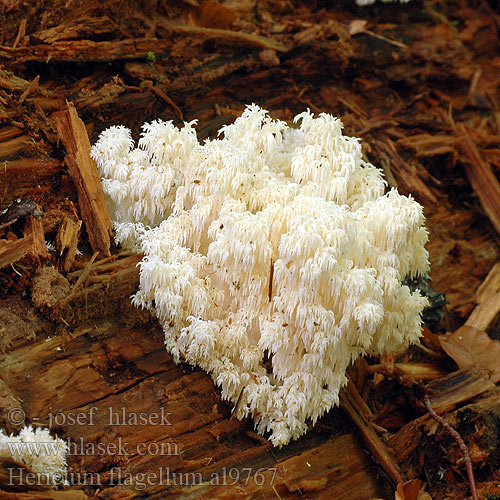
<point>352,403</point>
<point>158,92</point>
<point>135,48</point>
<point>461,444</point>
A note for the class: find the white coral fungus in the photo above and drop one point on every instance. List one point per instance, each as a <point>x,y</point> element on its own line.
<point>272,257</point>
<point>44,454</point>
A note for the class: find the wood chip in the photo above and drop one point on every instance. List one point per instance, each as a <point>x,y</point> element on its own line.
<point>34,226</point>
<point>67,242</point>
<point>12,251</point>
<point>458,387</point>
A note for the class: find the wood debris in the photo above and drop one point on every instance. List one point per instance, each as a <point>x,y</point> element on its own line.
<point>34,226</point>
<point>12,251</point>
<point>84,174</point>
<point>67,242</point>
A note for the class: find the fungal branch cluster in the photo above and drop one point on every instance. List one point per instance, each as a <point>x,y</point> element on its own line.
<point>272,257</point>
<point>43,454</point>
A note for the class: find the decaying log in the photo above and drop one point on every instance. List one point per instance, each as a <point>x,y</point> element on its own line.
<point>84,28</point>
<point>48,287</point>
<point>226,37</point>
<point>198,450</point>
<point>45,495</point>
<point>91,354</point>
<point>428,145</point>
<point>8,133</point>
<point>84,174</point>
<point>88,50</point>
<point>483,316</point>
<point>11,479</point>
<point>461,444</point>
<point>471,347</point>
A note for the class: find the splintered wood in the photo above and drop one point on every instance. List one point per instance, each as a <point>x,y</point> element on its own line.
<point>12,251</point>
<point>67,241</point>
<point>34,225</point>
<point>84,174</point>
<point>27,175</point>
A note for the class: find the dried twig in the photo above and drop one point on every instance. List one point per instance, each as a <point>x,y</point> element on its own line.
<point>82,278</point>
<point>461,444</point>
<point>271,274</point>
<point>352,403</point>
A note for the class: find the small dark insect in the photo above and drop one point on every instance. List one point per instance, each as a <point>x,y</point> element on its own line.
<point>17,209</point>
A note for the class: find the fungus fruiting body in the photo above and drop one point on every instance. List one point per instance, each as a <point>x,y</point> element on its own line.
<point>272,257</point>
<point>37,449</point>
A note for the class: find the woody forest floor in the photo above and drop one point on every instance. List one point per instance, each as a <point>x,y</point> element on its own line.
<point>419,83</point>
